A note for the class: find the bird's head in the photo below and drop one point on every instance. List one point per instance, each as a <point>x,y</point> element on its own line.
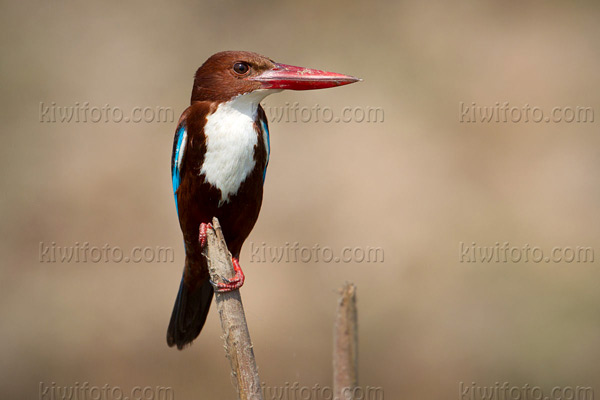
<point>228,74</point>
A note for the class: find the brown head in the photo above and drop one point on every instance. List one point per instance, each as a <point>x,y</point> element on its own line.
<point>228,74</point>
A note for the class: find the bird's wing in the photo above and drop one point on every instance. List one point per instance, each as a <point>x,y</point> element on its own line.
<point>179,144</point>
<point>264,127</point>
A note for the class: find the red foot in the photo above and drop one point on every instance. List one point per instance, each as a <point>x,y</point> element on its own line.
<point>234,283</point>
<point>202,236</point>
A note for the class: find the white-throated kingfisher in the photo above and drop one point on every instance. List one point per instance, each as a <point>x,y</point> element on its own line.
<point>220,157</point>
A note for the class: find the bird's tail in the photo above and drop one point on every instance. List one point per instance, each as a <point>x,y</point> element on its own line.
<point>189,313</point>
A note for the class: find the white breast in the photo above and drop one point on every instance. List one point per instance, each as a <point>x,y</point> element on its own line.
<point>230,141</point>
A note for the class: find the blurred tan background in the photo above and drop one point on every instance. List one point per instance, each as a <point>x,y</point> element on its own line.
<point>416,185</point>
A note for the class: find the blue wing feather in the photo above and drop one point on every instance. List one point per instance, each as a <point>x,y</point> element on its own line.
<point>265,128</point>
<point>177,158</point>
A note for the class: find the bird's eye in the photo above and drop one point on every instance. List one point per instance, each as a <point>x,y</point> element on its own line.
<point>241,68</point>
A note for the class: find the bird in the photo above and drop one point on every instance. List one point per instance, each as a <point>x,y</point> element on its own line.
<point>218,166</point>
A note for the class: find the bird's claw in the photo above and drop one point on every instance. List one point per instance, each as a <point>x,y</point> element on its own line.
<point>202,235</point>
<point>234,283</point>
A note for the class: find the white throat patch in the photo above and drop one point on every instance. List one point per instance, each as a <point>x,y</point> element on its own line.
<point>230,141</point>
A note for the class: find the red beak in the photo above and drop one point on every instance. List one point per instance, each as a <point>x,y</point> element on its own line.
<point>298,78</point>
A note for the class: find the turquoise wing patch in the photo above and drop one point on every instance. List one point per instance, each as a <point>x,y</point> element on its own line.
<point>265,128</point>
<point>177,158</point>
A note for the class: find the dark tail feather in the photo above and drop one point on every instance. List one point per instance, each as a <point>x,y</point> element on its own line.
<point>189,314</point>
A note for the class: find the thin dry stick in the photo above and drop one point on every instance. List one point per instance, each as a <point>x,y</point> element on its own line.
<point>238,346</point>
<point>345,345</point>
